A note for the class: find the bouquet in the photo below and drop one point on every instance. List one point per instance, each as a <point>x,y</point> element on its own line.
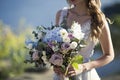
<point>60,46</point>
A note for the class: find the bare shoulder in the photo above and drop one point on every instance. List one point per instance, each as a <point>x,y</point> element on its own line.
<point>105,37</point>
<point>58,13</point>
<point>106,25</point>
<point>58,17</point>
<point>105,28</point>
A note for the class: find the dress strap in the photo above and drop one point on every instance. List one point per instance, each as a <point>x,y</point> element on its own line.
<point>63,14</point>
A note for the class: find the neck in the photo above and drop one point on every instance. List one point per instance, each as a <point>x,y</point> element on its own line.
<point>81,8</point>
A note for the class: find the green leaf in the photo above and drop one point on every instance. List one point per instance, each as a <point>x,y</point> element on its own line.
<point>63,68</point>
<point>75,65</point>
<point>77,59</point>
<point>75,39</point>
<point>83,42</point>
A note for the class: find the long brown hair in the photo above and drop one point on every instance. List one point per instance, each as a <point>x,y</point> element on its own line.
<point>97,16</point>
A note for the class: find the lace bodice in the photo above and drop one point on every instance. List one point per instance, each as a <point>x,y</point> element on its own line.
<point>86,52</point>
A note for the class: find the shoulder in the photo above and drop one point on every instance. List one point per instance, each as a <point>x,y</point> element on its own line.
<point>105,24</point>
<point>63,10</point>
<point>58,17</point>
<point>105,31</point>
<point>105,21</point>
<point>58,13</point>
<point>106,27</point>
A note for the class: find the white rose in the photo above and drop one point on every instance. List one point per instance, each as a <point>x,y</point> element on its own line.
<point>66,39</point>
<point>63,33</point>
<point>78,35</point>
<point>73,45</point>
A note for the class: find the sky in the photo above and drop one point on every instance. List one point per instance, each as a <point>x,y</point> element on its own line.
<point>34,12</point>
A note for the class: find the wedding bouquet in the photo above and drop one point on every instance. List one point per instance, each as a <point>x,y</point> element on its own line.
<point>60,46</point>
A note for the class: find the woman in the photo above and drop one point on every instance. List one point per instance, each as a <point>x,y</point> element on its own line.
<point>94,24</point>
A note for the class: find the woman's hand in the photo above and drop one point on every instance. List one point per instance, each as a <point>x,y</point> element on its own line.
<point>73,72</point>
<point>58,70</point>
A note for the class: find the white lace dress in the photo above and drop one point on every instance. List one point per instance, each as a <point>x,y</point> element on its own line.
<point>86,52</point>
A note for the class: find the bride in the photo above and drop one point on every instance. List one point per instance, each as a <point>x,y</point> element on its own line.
<point>94,24</point>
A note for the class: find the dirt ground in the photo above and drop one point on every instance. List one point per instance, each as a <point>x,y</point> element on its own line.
<point>48,76</point>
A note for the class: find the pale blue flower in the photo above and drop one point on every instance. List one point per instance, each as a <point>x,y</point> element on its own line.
<point>53,35</point>
<point>30,44</point>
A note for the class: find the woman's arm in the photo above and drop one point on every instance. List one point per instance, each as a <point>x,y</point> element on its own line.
<point>107,48</point>
<point>57,17</point>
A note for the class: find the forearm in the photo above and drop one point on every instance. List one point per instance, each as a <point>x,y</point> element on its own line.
<point>105,59</point>
<point>107,49</point>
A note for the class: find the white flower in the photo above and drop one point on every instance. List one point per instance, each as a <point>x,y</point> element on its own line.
<point>40,35</point>
<point>73,45</point>
<point>63,33</point>
<point>75,25</point>
<point>82,45</point>
<point>78,35</point>
<point>66,39</point>
<point>76,31</point>
<point>30,46</point>
<point>55,48</point>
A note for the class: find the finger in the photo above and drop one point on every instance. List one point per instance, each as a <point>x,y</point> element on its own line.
<point>58,71</point>
<point>72,75</point>
<point>69,75</point>
<point>71,72</point>
<point>70,68</point>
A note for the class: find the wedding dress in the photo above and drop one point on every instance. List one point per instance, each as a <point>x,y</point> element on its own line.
<point>86,52</point>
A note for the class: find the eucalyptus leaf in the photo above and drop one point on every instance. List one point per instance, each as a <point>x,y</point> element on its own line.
<point>77,59</point>
<point>75,65</point>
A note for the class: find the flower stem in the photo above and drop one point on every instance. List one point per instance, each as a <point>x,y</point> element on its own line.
<point>67,68</point>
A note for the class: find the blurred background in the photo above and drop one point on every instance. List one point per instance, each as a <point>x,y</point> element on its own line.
<point>17,20</point>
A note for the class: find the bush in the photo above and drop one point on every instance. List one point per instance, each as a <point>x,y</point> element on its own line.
<point>12,52</point>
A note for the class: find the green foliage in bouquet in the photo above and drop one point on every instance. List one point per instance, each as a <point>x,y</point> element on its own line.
<point>78,59</point>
